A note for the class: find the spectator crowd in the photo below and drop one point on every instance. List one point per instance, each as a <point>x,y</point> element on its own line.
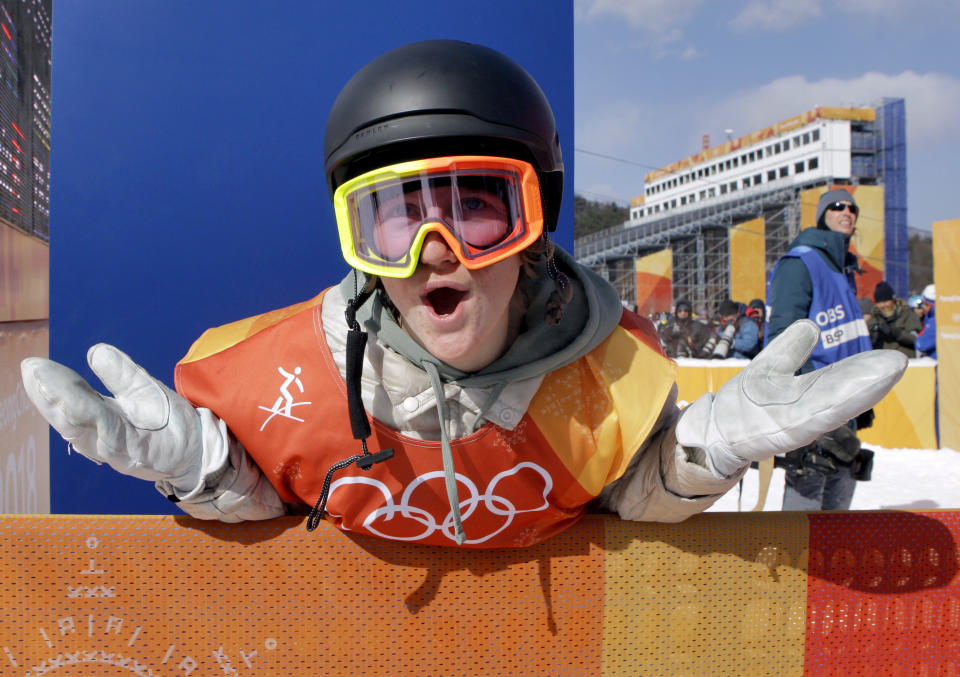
<point>736,330</point>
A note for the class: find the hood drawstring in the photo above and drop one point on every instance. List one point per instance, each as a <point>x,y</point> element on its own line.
<point>449,472</point>
<point>359,425</point>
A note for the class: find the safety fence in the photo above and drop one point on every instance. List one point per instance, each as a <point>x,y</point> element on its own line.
<point>871,593</point>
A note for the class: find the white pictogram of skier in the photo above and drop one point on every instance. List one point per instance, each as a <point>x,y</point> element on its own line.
<point>285,403</point>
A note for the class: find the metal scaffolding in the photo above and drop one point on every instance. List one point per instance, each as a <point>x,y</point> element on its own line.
<point>698,233</point>
<point>700,244</point>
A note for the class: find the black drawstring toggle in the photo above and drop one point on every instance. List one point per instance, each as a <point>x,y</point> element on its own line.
<point>364,460</point>
<point>359,424</point>
<point>367,460</point>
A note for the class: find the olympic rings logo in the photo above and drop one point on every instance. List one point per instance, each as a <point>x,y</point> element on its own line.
<point>497,505</point>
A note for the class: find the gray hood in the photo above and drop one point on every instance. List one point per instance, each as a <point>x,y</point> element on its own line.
<point>539,349</point>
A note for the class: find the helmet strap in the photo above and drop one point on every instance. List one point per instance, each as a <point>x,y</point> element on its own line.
<point>359,424</point>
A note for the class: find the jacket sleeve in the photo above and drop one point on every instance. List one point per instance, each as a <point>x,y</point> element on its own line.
<point>927,339</point>
<point>747,336</point>
<point>233,488</point>
<point>789,298</point>
<point>665,482</point>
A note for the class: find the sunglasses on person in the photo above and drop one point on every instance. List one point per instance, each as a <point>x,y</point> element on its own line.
<point>840,206</point>
<point>485,208</point>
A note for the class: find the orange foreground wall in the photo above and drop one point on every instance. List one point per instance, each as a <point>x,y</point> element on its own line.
<point>734,594</point>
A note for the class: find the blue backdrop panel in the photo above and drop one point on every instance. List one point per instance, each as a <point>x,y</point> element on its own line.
<point>187,168</point>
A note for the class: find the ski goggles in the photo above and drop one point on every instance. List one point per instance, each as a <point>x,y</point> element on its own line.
<point>485,208</point>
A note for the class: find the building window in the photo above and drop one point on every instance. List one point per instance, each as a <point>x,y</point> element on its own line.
<point>735,162</point>
<point>733,186</point>
<point>806,138</point>
<point>816,134</point>
<point>746,182</point>
<point>712,192</point>
<point>723,189</point>
<point>813,163</point>
<point>796,141</point>
<point>798,167</point>
<point>784,171</point>
<point>776,147</point>
<point>703,194</point>
<point>683,200</point>
<point>772,175</point>
<point>757,178</point>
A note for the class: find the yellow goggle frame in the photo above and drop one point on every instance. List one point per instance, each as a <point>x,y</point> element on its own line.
<point>361,221</point>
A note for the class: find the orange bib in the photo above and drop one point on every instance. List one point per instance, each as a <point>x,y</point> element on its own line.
<point>273,380</point>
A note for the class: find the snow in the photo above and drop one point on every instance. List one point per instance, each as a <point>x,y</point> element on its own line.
<point>902,479</point>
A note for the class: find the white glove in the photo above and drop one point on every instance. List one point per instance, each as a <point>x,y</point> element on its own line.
<point>146,430</point>
<point>766,410</point>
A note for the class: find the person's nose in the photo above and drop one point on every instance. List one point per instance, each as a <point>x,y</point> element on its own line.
<point>436,252</point>
<point>435,212</point>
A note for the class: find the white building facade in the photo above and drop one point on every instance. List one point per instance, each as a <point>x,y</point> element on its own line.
<point>813,146</point>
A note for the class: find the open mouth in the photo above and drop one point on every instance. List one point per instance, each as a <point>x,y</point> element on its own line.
<point>444,300</point>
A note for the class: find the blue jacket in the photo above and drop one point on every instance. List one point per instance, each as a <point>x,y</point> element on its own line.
<point>926,341</point>
<point>818,270</point>
<point>746,342</point>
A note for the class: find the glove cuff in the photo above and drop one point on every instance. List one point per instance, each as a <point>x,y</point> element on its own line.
<point>696,429</point>
<point>214,439</point>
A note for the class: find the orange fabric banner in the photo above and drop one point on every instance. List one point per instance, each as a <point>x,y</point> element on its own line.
<point>654,282</point>
<point>868,240</point>
<point>722,594</point>
<point>946,276</point>
<point>748,255</point>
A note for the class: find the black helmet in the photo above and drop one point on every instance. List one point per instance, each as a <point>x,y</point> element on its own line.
<point>439,98</point>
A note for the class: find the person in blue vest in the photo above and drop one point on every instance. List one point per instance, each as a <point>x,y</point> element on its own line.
<point>815,280</point>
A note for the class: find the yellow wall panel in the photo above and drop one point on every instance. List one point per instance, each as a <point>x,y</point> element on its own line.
<point>946,276</point>
<point>748,261</point>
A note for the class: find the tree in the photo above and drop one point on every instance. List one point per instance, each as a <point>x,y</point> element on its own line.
<point>920,261</point>
<point>590,216</point>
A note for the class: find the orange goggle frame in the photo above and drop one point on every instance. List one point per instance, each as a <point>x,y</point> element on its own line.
<point>485,208</point>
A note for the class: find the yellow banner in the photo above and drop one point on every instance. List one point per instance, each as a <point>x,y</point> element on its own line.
<point>868,240</point>
<point>654,282</point>
<point>946,276</point>
<point>748,254</point>
<point>904,418</point>
<point>24,434</point>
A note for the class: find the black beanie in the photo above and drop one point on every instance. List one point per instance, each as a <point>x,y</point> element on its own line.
<point>729,307</point>
<point>827,199</point>
<point>683,303</point>
<point>883,292</point>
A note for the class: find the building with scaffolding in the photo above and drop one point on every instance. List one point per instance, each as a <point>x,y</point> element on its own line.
<point>691,206</point>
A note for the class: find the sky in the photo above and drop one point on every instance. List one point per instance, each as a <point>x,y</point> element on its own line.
<point>652,77</point>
